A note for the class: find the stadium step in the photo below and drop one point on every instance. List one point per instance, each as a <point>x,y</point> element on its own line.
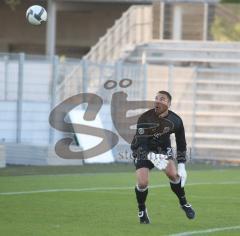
<point>218,106</point>
<point>220,81</point>
<point>224,160</point>
<point>229,87</point>
<point>214,139</point>
<point>213,117</point>
<point>222,93</point>
<point>217,147</point>
<point>212,113</point>
<point>209,151</point>
<point>218,103</point>
<point>201,106</point>
<point>217,128</point>
<point>217,136</point>
<point>212,95</point>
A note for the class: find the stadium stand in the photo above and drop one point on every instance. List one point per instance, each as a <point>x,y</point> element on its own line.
<point>202,76</point>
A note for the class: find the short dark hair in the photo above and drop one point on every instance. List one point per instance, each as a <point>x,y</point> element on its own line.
<point>167,94</point>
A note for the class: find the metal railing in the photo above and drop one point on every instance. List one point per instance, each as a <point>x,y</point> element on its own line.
<point>134,27</point>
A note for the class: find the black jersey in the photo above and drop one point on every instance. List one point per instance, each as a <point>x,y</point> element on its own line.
<point>153,135</point>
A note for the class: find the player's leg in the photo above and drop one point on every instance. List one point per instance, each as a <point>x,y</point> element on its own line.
<point>175,183</point>
<point>141,188</point>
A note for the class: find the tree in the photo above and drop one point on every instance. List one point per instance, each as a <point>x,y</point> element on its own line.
<point>230,1</point>
<point>226,25</point>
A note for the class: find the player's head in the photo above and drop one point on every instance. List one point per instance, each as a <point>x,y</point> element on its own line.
<point>162,101</point>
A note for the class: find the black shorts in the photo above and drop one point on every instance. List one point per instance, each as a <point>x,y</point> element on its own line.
<point>139,163</point>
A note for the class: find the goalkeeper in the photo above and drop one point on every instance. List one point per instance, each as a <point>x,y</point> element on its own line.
<point>151,147</point>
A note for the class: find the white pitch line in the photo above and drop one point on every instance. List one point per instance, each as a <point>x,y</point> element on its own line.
<point>106,188</point>
<point>66,190</point>
<point>206,231</point>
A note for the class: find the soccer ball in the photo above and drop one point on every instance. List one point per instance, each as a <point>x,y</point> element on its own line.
<point>36,14</point>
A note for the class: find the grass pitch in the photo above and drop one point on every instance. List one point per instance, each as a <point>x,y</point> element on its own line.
<point>33,201</point>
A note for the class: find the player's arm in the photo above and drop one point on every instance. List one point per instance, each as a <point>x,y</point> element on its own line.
<point>181,143</point>
<point>181,152</point>
<point>139,145</point>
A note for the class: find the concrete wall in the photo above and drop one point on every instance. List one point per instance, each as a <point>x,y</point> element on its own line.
<point>2,157</point>
<point>35,106</point>
<point>78,29</point>
<point>27,154</point>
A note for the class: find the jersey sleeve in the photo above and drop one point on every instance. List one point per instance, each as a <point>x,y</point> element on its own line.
<point>139,145</point>
<point>181,143</point>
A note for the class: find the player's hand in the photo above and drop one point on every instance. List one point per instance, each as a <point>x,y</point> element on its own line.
<point>182,173</point>
<point>159,160</point>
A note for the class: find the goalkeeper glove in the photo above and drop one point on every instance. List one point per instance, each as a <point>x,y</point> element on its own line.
<point>182,173</point>
<point>159,160</point>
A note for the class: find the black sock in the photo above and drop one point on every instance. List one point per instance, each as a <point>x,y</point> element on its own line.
<point>179,191</point>
<point>141,195</point>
